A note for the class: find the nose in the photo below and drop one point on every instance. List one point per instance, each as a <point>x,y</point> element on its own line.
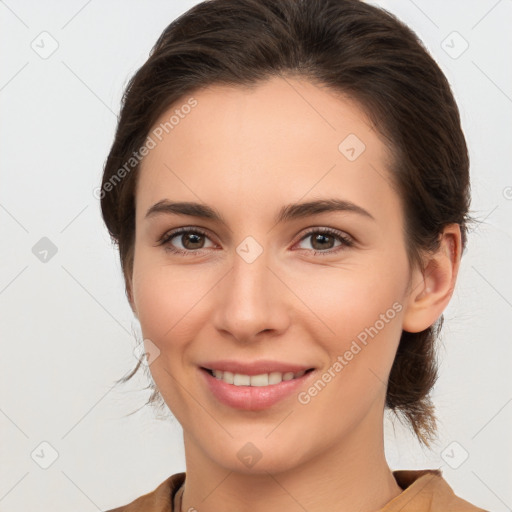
<point>251,302</point>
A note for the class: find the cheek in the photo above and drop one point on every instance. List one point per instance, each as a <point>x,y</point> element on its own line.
<point>170,300</point>
<point>367,327</point>
<point>349,300</point>
<point>361,314</point>
<point>166,305</point>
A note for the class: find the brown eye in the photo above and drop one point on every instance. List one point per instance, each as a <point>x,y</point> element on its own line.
<point>323,240</point>
<point>191,240</point>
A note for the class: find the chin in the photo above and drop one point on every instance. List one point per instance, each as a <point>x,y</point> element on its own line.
<point>252,456</point>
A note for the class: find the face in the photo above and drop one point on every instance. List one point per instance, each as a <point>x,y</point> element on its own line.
<point>318,287</point>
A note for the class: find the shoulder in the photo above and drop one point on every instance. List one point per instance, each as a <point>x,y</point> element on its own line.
<point>427,490</point>
<point>158,500</point>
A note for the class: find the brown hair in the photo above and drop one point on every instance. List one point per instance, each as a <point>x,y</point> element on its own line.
<point>351,47</point>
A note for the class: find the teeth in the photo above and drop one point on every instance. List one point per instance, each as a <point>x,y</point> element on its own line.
<point>265,379</point>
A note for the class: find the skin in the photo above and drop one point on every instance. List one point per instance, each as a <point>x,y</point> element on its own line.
<point>247,153</point>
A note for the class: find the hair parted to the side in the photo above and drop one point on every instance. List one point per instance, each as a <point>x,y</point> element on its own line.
<point>359,50</point>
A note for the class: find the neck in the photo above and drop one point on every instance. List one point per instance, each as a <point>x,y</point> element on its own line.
<point>351,474</point>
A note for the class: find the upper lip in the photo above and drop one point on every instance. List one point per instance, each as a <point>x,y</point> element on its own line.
<point>255,367</point>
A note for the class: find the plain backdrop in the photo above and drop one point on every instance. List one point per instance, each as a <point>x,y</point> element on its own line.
<point>67,332</point>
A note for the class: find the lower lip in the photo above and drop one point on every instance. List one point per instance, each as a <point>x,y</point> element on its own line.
<point>253,398</point>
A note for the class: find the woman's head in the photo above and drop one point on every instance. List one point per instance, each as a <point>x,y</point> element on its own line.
<point>252,105</point>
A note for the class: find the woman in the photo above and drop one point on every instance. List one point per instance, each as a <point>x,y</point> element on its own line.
<point>289,190</point>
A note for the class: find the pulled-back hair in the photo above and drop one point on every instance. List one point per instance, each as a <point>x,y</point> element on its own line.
<point>359,50</point>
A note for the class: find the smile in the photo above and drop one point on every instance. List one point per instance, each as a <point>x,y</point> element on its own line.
<point>254,392</point>
<point>264,379</point>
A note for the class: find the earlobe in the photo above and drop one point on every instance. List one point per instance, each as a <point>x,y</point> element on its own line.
<point>432,289</point>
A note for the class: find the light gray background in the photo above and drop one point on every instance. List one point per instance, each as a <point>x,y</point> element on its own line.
<point>66,328</point>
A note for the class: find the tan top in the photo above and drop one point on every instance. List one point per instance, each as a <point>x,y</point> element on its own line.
<point>424,491</point>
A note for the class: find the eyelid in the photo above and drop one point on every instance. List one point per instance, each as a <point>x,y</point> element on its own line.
<point>325,229</point>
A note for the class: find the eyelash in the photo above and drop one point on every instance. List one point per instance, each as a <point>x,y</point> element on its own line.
<point>345,241</point>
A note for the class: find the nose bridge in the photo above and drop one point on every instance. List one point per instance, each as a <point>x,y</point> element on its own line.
<point>250,300</point>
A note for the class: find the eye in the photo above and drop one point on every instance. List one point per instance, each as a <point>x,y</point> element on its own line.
<point>191,239</point>
<point>323,239</point>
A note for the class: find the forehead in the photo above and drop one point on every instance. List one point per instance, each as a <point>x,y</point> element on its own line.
<point>281,140</point>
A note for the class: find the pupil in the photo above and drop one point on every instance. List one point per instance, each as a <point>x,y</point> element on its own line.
<point>321,236</point>
<point>190,238</point>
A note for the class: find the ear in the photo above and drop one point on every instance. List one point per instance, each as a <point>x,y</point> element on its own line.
<point>432,289</point>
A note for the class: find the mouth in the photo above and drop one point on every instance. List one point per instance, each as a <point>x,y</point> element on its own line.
<point>261,380</point>
<point>254,392</point>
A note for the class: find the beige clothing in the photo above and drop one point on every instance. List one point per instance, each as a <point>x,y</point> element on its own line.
<point>424,491</point>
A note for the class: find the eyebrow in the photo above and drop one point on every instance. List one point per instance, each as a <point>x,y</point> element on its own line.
<point>286,213</point>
